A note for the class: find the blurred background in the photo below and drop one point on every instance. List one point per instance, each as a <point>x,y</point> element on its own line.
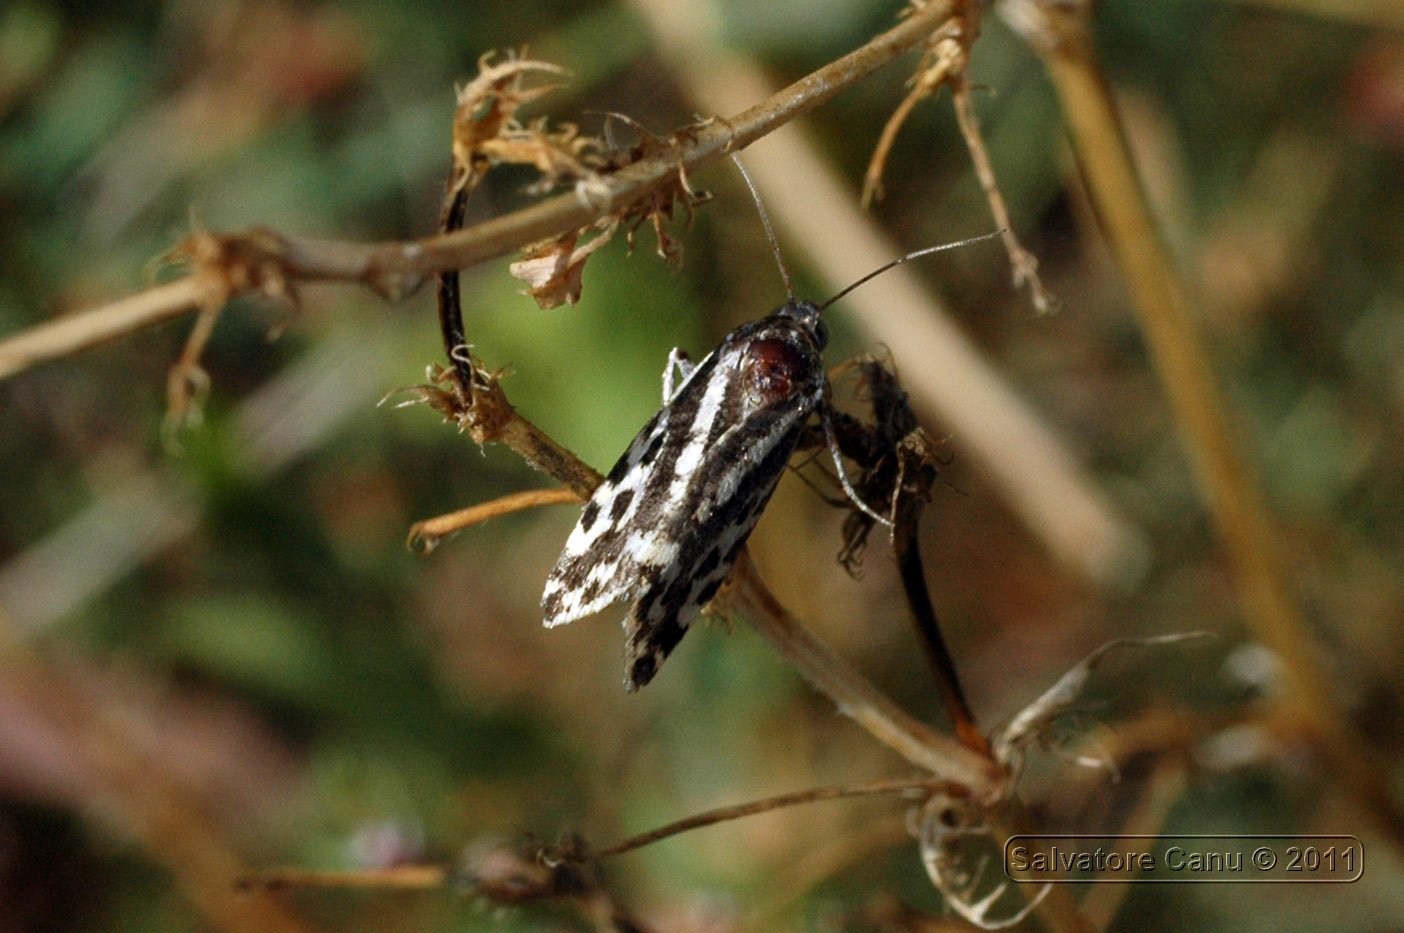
<point>219,653</point>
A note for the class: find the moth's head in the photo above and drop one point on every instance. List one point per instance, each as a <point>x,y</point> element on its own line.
<point>807,315</point>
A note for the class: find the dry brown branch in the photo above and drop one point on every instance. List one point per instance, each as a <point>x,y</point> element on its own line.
<point>1061,34</point>
<point>1024,263</point>
<point>941,755</point>
<point>399,878</point>
<point>944,64</point>
<point>187,383</point>
<point>552,858</point>
<point>897,460</point>
<point>726,814</point>
<point>77,332</point>
<point>431,532</point>
<point>501,874</point>
<point>395,268</point>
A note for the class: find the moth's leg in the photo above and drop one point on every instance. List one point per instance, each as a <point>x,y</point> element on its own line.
<point>843,474</point>
<point>681,363</point>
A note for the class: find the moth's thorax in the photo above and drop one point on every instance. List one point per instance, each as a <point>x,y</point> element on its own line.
<point>780,356</point>
<point>773,367</point>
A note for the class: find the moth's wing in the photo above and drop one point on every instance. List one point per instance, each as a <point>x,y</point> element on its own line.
<point>627,531</point>
<point>600,562</point>
<point>728,493</point>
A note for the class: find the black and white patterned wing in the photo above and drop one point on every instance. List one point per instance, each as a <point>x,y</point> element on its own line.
<point>726,497</point>
<point>619,542</point>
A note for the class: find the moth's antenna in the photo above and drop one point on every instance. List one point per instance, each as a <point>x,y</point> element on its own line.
<point>769,230</point>
<point>927,251</point>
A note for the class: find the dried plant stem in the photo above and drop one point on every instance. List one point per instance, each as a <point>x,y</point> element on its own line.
<point>1025,264</point>
<point>541,451</point>
<point>1061,34</point>
<point>187,382</point>
<point>725,814</point>
<point>74,333</point>
<point>424,877</point>
<point>401,878</point>
<point>431,532</point>
<point>394,268</point>
<point>942,756</point>
<point>907,549</point>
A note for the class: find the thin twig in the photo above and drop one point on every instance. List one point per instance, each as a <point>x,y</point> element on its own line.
<point>187,383</point>
<point>395,268</point>
<point>947,58</point>
<point>1025,264</point>
<point>828,673</point>
<point>724,814</point>
<point>909,564</point>
<point>899,467</point>
<point>431,532</point>
<point>77,332</point>
<point>400,878</point>
<point>450,307</point>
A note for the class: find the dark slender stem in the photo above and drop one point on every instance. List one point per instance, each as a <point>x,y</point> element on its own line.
<point>450,301</point>
<point>909,564</point>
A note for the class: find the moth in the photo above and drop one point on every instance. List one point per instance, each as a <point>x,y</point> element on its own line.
<point>668,522</point>
<point>665,527</point>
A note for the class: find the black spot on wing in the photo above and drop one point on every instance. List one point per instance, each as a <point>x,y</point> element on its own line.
<point>589,514</point>
<point>710,590</point>
<point>735,551</point>
<point>709,563</point>
<point>641,669</point>
<point>649,646</point>
<point>621,505</point>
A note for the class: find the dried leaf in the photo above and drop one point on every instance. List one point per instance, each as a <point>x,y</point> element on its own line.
<point>1033,720</point>
<point>553,270</point>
